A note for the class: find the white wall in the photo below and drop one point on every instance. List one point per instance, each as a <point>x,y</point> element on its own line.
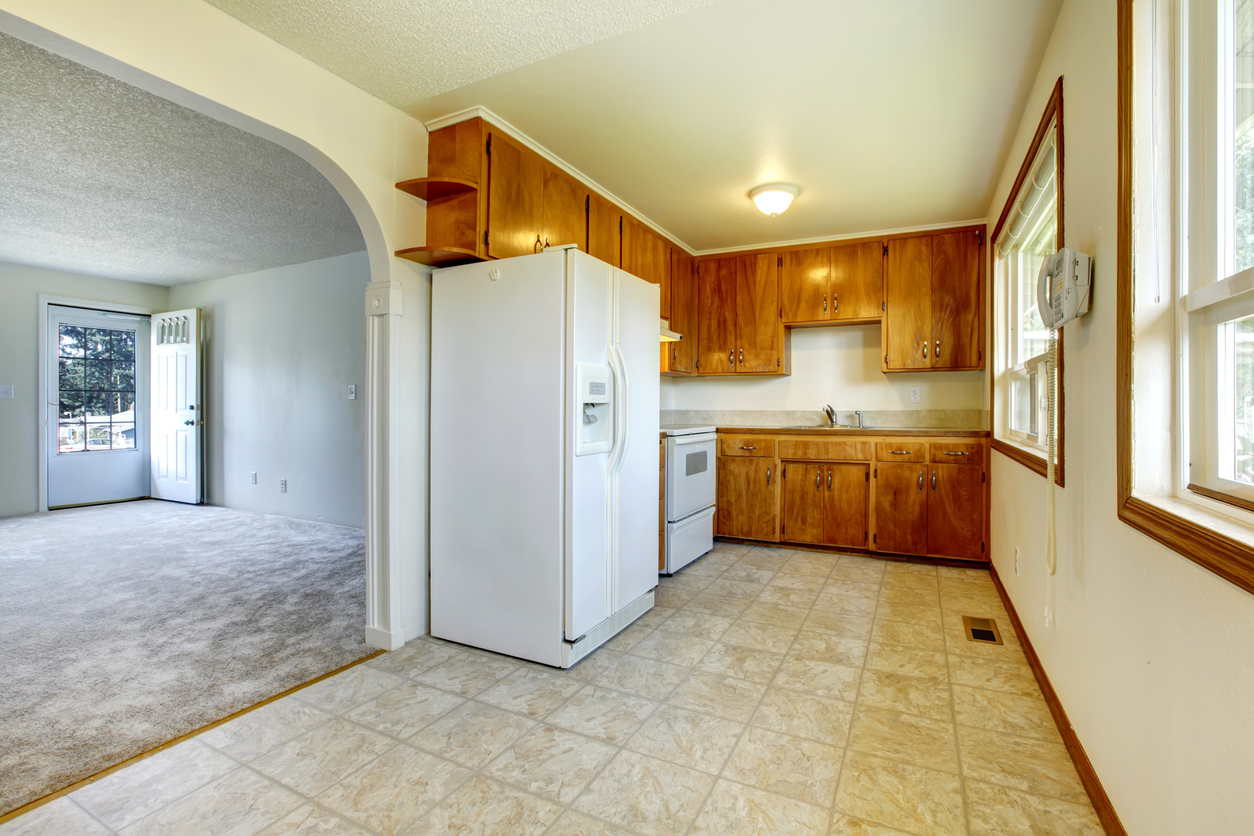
<point>282,347</point>
<point>838,365</point>
<point>1152,656</point>
<point>20,288</point>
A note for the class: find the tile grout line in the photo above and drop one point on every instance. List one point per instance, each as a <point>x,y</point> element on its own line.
<point>96,818</point>
<point>953,710</point>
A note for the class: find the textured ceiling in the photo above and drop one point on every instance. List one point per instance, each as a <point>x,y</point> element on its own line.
<point>102,178</point>
<point>404,51</point>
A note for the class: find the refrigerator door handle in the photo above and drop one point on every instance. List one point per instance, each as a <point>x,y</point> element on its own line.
<point>622,394</point>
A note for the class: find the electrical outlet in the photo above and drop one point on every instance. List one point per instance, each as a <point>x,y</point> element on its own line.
<point>916,394</point>
<point>1016,560</point>
<point>282,486</point>
<point>352,391</point>
<point>253,476</point>
<point>1049,617</point>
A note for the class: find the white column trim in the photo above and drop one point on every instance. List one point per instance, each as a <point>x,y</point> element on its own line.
<point>384,304</point>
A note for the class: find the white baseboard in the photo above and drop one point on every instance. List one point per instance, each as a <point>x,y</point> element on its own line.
<point>385,639</point>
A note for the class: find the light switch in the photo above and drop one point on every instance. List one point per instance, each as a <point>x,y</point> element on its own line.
<point>6,391</point>
<point>352,392</point>
<point>254,477</point>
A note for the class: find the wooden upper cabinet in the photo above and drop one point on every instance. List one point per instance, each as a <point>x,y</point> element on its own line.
<point>907,329</point>
<point>857,284</point>
<point>716,316</point>
<point>605,230</point>
<point>564,209</point>
<point>901,491</point>
<point>805,290</point>
<point>956,305</point>
<point>759,332</point>
<point>662,255</point>
<point>680,356</point>
<point>644,253</point>
<point>515,198</point>
<point>955,511</point>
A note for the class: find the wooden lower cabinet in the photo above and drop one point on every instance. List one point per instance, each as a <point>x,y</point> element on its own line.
<point>748,497</point>
<point>825,503</point>
<point>955,511</point>
<point>900,508</point>
<point>894,499</point>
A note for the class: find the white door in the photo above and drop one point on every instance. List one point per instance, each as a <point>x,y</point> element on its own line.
<point>177,413</point>
<point>97,400</point>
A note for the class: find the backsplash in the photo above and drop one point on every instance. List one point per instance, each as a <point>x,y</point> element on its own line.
<point>889,419</point>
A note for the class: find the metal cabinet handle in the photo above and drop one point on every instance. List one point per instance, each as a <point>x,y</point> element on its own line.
<point>952,453</point>
<point>535,248</point>
<point>937,354</point>
<point>818,480</point>
<point>829,481</point>
<point>925,349</point>
<point>675,355</point>
<point>748,448</point>
<point>920,481</point>
<point>835,302</point>
<point>768,474</point>
<point>824,303</point>
<point>933,481</point>
<point>900,452</point>
<point>742,356</point>
<point>731,357</point>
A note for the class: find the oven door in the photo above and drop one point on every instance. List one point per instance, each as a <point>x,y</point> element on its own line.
<point>690,481</point>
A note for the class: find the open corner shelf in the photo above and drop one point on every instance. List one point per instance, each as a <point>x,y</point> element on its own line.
<point>434,188</point>
<point>439,256</point>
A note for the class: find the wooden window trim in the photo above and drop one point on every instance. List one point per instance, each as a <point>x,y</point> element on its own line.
<point>1032,461</point>
<point>1231,559</point>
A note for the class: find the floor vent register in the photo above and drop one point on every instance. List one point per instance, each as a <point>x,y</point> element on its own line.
<point>981,630</point>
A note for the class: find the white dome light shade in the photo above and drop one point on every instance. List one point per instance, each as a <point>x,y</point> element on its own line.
<point>775,198</point>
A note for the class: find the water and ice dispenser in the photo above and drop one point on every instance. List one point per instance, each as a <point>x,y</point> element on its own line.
<point>594,418</point>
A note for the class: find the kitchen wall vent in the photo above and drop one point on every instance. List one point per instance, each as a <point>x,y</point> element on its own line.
<point>981,630</point>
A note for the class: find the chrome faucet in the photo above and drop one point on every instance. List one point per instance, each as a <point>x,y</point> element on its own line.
<point>859,414</point>
<point>831,415</point>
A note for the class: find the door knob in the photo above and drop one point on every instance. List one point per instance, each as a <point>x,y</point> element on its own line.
<point>189,423</point>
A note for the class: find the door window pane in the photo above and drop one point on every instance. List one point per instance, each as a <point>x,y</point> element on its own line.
<point>96,383</point>
<point>1242,419</point>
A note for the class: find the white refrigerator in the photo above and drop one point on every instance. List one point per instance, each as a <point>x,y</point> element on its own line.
<point>544,440</point>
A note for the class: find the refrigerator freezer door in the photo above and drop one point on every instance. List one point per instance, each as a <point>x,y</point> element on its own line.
<point>498,447</point>
<point>634,462</point>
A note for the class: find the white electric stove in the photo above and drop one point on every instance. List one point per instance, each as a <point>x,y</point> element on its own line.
<point>691,486</point>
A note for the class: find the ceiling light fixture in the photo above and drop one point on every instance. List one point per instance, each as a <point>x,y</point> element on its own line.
<point>775,198</point>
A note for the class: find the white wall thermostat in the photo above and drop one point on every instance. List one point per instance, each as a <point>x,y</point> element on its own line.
<point>594,423</point>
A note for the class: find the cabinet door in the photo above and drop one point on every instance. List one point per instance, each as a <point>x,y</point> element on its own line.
<point>515,194</point>
<point>804,503</point>
<point>641,251</point>
<point>564,219</point>
<point>683,312</point>
<point>955,511</point>
<point>748,504</point>
<point>804,285</point>
<point>662,257</point>
<point>759,333</point>
<point>857,285</point>
<point>956,309</point>
<point>908,292</point>
<point>716,316</point>
<point>604,234</point>
<point>901,491</point>
<point>845,501</point>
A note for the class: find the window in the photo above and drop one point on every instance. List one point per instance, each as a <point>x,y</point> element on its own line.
<point>1186,278</point>
<point>96,389</point>
<point>1030,228</point>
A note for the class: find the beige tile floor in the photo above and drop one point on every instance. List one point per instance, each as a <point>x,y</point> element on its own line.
<point>769,691</point>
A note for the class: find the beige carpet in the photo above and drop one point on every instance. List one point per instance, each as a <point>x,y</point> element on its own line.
<point>125,626</point>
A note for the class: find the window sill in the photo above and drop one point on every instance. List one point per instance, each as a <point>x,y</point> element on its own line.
<point>1217,542</point>
<point>1029,458</point>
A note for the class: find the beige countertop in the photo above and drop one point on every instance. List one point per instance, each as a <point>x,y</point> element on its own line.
<point>854,433</point>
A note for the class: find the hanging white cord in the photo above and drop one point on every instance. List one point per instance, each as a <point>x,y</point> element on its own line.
<point>1051,376</point>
